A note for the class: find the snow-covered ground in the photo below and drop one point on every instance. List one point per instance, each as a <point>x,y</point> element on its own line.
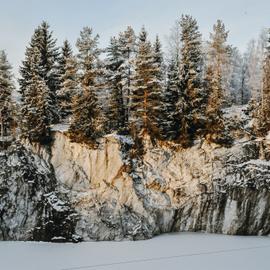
<point>187,251</point>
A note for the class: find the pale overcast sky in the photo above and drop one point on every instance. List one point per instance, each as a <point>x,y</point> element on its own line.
<point>18,18</point>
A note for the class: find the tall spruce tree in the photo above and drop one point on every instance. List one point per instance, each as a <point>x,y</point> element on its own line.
<point>68,68</point>
<point>218,57</point>
<point>191,86</point>
<point>85,108</point>
<point>159,85</point>
<point>66,53</point>
<point>36,105</point>
<point>145,102</point>
<point>117,109</point>
<point>170,124</point>
<point>127,46</point>
<point>6,88</point>
<point>235,76</point>
<point>263,114</point>
<point>43,41</point>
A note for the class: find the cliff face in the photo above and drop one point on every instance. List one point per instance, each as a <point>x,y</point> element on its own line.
<point>74,192</point>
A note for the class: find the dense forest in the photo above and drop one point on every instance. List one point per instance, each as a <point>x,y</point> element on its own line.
<point>133,88</point>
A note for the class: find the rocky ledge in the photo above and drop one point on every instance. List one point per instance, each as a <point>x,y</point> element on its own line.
<point>70,192</point>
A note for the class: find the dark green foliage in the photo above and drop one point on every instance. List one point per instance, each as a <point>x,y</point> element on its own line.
<point>170,114</point>
<point>85,109</point>
<point>46,67</point>
<point>145,99</point>
<point>66,53</point>
<point>6,88</point>
<point>116,108</point>
<point>37,106</point>
<point>191,91</point>
<point>68,68</point>
<point>127,47</point>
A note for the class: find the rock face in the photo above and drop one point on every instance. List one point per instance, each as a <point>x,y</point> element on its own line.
<point>31,208</point>
<point>70,192</point>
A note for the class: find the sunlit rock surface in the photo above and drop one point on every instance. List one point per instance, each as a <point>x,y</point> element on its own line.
<point>69,192</point>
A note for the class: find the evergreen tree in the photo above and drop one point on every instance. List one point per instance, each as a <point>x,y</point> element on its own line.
<point>263,116</point>
<point>69,79</point>
<point>6,88</point>
<point>215,81</point>
<point>170,115</point>
<point>25,69</point>
<point>36,105</point>
<point>86,111</point>
<point>47,67</point>
<point>117,108</point>
<point>158,58</point>
<point>244,89</point>
<point>66,53</point>
<point>213,86</point>
<point>127,46</point>
<point>145,103</point>
<point>191,87</point>
<point>49,57</point>
<point>68,87</point>
<point>219,57</point>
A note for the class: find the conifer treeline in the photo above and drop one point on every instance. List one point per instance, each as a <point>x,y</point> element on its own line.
<point>132,89</point>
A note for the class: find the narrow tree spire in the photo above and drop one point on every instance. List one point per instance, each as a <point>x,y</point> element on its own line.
<point>86,110</point>
<point>6,88</point>
<point>263,114</point>
<point>192,94</point>
<point>145,104</point>
<point>43,42</point>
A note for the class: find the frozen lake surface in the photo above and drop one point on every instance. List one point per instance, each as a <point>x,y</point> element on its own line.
<point>187,251</point>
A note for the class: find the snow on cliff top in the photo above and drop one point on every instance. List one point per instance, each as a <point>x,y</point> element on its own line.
<point>62,127</point>
<point>236,111</point>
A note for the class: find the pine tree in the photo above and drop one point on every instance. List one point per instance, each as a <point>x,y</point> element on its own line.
<point>191,87</point>
<point>244,89</point>
<point>145,103</point>
<point>127,45</point>
<point>170,124</point>
<point>159,88</point>
<point>263,115</point>
<point>158,58</point>
<point>66,53</point>
<point>36,105</point>
<point>68,80</point>
<point>117,108</point>
<point>6,88</point>
<point>85,106</point>
<point>215,82</point>
<point>43,41</point>
<point>219,57</point>
<point>25,69</point>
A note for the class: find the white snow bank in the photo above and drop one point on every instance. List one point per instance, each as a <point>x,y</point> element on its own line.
<point>189,251</point>
<point>235,111</point>
<point>63,127</point>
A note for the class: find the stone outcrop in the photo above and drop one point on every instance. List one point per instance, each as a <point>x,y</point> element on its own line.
<point>70,192</point>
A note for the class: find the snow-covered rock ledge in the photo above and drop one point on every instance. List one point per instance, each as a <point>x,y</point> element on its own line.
<point>112,195</point>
